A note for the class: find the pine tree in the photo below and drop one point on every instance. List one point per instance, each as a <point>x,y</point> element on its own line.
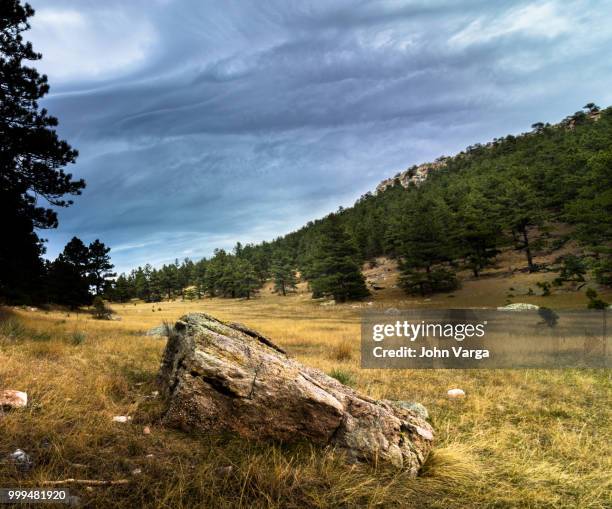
<point>521,209</point>
<point>335,271</point>
<point>68,279</point>
<point>284,275</point>
<point>427,241</point>
<point>246,281</point>
<point>77,254</point>
<point>477,238</point>
<point>99,266</point>
<point>122,292</point>
<point>31,157</point>
<point>66,284</point>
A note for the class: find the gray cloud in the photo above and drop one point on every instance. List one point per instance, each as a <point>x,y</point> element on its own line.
<point>203,123</point>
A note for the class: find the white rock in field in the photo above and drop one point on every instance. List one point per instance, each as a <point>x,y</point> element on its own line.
<point>13,399</point>
<point>137,471</point>
<point>122,418</point>
<point>146,430</point>
<point>518,306</point>
<point>21,460</point>
<point>456,393</point>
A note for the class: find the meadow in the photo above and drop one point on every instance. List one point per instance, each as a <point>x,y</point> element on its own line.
<point>521,438</point>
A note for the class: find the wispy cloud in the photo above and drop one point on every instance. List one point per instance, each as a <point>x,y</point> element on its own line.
<point>539,20</point>
<point>203,123</point>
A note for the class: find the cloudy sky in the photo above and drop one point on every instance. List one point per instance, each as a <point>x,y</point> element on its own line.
<point>201,123</point>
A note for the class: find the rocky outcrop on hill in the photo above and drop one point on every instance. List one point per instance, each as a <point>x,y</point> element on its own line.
<point>414,175</point>
<point>221,377</point>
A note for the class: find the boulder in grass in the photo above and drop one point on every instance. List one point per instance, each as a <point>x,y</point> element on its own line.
<point>221,377</point>
<point>10,398</point>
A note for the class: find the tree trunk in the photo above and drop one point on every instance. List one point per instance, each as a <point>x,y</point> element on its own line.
<point>528,250</point>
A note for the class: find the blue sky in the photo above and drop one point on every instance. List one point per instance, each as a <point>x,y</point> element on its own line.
<point>202,123</point>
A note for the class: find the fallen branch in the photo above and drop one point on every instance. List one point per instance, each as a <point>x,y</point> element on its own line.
<point>90,482</point>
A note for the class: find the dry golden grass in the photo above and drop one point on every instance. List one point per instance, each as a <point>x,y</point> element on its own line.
<point>531,438</point>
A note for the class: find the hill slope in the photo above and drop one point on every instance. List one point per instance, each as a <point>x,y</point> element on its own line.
<point>442,219</point>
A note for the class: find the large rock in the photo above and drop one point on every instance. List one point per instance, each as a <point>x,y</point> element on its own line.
<point>226,377</point>
<point>13,399</point>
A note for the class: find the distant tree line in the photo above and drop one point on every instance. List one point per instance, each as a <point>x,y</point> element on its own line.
<point>332,269</point>
<point>486,198</point>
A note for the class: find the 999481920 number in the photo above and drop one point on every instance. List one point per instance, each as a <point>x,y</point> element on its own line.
<point>19,495</point>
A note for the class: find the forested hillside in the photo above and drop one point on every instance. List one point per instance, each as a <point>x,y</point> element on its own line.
<point>486,198</point>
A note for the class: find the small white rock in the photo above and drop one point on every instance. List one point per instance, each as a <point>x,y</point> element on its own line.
<point>21,460</point>
<point>456,393</point>
<point>13,399</point>
<point>518,306</point>
<point>146,430</point>
<point>122,418</point>
<point>137,471</point>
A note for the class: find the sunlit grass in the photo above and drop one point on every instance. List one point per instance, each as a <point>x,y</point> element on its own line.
<point>531,438</point>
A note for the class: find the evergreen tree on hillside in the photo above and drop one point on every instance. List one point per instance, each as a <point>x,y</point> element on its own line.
<point>245,278</point>
<point>31,157</point>
<point>199,277</point>
<point>334,270</point>
<point>477,237</point>
<point>521,210</point>
<point>591,212</point>
<point>284,275</point>
<point>427,241</point>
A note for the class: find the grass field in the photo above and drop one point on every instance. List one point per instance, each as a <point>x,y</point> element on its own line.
<point>521,438</point>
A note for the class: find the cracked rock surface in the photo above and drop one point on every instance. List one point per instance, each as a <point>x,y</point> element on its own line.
<point>222,377</point>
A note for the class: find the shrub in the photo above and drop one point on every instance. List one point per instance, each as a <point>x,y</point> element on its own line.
<point>100,311</point>
<point>78,337</point>
<point>594,302</point>
<point>573,268</point>
<point>545,287</point>
<point>344,377</point>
